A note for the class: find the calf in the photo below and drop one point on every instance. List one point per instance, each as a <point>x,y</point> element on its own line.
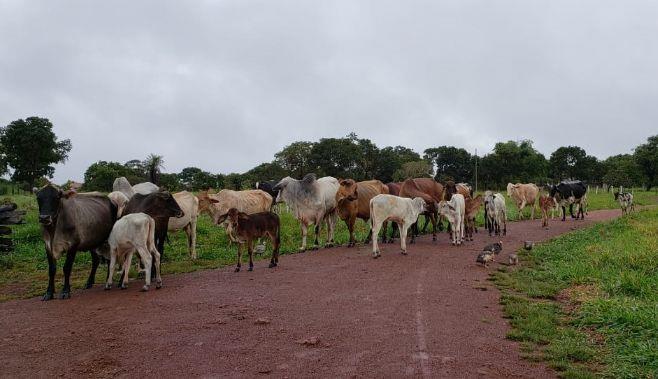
<point>135,231</point>
<point>353,201</point>
<point>546,203</point>
<point>472,208</point>
<point>496,213</point>
<point>625,200</point>
<point>245,228</point>
<point>454,212</point>
<point>403,211</point>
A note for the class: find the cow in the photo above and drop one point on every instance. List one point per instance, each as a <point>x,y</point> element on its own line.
<point>189,204</point>
<point>247,201</point>
<point>523,194</point>
<point>268,187</point>
<point>353,201</point>
<point>312,201</point>
<point>159,205</point>
<point>248,227</point>
<point>133,232</point>
<point>451,188</point>
<point>120,200</point>
<point>472,207</point>
<point>546,203</point>
<point>70,223</point>
<point>403,211</point>
<point>454,212</point>
<point>625,200</point>
<point>571,192</point>
<point>496,213</point>
<point>421,187</point>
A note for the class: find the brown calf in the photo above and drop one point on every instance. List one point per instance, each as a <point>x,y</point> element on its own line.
<point>546,203</point>
<point>244,228</point>
<point>472,208</point>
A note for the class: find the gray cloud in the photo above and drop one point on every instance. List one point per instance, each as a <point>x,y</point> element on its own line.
<point>223,85</point>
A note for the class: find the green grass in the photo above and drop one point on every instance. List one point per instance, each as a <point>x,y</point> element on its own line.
<point>23,273</point>
<point>587,302</point>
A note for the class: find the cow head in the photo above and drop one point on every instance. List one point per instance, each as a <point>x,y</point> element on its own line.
<point>49,199</point>
<point>162,204</point>
<point>232,216</point>
<point>449,189</point>
<point>347,190</point>
<point>205,201</point>
<point>419,204</point>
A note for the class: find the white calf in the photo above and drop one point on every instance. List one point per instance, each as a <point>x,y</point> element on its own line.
<point>134,232</point>
<point>403,211</point>
<point>453,211</point>
<point>497,213</point>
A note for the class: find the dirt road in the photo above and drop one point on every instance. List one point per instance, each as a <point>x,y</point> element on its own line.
<point>329,313</point>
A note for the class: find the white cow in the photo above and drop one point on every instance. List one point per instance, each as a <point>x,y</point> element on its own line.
<point>190,206</point>
<point>145,188</point>
<point>123,185</point>
<point>625,201</point>
<point>312,201</point>
<point>132,232</point>
<point>401,210</point>
<point>454,211</point>
<point>496,213</point>
<point>524,194</point>
<point>120,200</point>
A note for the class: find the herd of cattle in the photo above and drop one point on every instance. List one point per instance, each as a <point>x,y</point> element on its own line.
<point>138,218</point>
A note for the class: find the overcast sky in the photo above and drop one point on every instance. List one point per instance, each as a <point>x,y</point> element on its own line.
<point>223,85</point>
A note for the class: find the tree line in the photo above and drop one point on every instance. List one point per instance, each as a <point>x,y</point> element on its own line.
<point>29,148</point>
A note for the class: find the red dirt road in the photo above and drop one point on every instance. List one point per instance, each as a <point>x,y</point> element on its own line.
<point>329,313</point>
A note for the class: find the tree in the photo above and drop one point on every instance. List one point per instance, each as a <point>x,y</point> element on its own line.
<point>572,162</point>
<point>451,163</point>
<point>153,165</point>
<point>391,159</point>
<point>30,148</point>
<point>100,175</point>
<point>338,157</point>
<point>646,156</point>
<point>295,158</point>
<point>265,171</point>
<point>418,169</point>
<point>514,162</point>
<point>622,170</point>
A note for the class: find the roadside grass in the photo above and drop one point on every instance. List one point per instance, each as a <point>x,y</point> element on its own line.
<point>24,272</point>
<point>587,302</point>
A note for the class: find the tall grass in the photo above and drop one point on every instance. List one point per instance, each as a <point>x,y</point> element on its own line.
<point>587,302</point>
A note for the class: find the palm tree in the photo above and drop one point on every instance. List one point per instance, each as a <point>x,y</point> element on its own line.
<point>153,164</point>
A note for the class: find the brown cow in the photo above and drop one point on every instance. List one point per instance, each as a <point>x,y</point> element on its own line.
<point>248,227</point>
<point>353,201</point>
<point>523,194</point>
<point>394,188</point>
<point>472,208</point>
<point>546,203</point>
<point>430,191</point>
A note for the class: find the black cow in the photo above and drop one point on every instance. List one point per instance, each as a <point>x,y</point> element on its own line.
<point>160,206</point>
<point>70,223</point>
<point>571,192</point>
<point>268,187</point>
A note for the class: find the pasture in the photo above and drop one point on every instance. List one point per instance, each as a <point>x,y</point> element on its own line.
<point>24,272</point>
<point>588,301</point>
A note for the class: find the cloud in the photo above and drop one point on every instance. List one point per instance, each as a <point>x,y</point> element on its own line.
<point>223,85</point>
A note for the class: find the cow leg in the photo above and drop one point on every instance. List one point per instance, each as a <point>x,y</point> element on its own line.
<point>504,225</point>
<point>237,268</point>
<point>250,250</point>
<point>564,213</point>
<point>331,226</point>
<point>126,268</point>
<point>521,206</point>
<point>350,227</point>
<point>376,225</point>
<point>146,256</point>
<point>156,264</point>
<point>95,261</point>
<point>304,227</point>
<point>432,219</point>
<point>68,267</point>
<point>571,210</point>
<point>190,230</point>
<point>403,237</point>
<point>318,229</point>
<point>110,270</point>
<point>414,232</point>
<point>52,269</point>
<point>276,241</point>
<point>369,236</point>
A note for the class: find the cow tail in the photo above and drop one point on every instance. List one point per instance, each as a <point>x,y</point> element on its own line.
<point>150,242</point>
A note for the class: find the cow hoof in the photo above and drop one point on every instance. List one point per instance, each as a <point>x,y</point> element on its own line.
<point>453,243</point>
<point>124,287</point>
<point>404,252</point>
<point>108,286</point>
<point>316,247</point>
<point>302,249</point>
<point>272,265</point>
<point>375,256</point>
<point>330,244</point>
<point>65,295</point>
<point>145,288</point>
<point>237,269</point>
<point>251,268</point>
<point>47,296</point>
<point>89,285</point>
<point>158,286</point>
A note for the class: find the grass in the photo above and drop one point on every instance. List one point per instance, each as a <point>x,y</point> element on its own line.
<point>23,273</point>
<point>587,302</point>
